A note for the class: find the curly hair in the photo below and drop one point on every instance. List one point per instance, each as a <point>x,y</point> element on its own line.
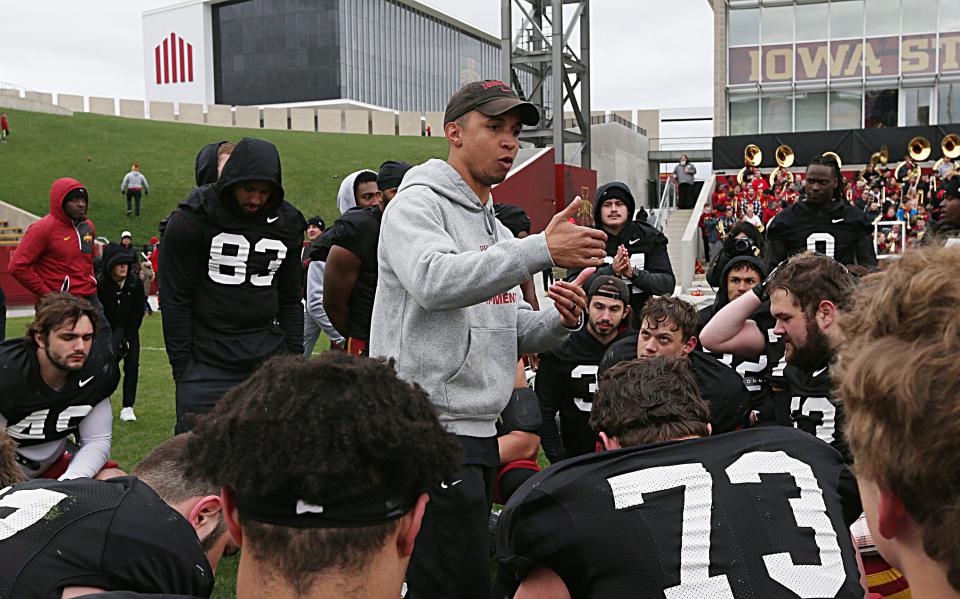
<point>332,429</point>
<point>56,310</point>
<point>671,310</point>
<point>812,278</point>
<point>898,375</point>
<point>648,401</point>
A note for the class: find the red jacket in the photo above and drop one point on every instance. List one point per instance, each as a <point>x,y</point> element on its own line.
<point>55,254</point>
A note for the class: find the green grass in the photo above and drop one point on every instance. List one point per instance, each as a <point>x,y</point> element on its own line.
<point>98,151</point>
<point>156,415</point>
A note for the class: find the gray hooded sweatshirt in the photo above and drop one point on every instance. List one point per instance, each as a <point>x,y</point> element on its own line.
<point>448,307</point>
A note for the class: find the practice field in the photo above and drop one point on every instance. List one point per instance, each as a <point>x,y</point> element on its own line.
<point>155,416</point>
<point>98,151</point>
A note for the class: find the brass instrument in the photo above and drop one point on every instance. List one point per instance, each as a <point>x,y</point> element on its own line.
<point>881,157</point>
<point>752,156</point>
<point>950,148</point>
<point>919,149</point>
<point>835,156</point>
<point>785,158</point>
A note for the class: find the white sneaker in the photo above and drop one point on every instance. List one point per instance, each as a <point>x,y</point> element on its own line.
<point>127,415</point>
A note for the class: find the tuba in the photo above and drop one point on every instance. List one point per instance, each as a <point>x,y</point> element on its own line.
<point>785,158</point>
<point>950,148</point>
<point>752,156</point>
<point>877,158</point>
<point>835,156</point>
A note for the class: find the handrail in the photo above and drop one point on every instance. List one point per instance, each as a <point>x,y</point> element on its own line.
<point>667,200</point>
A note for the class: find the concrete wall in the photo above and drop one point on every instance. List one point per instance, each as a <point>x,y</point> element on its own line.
<point>302,119</point>
<point>102,105</point>
<point>70,102</point>
<point>329,120</point>
<point>274,118</point>
<point>649,120</point>
<point>220,115</point>
<point>190,113</point>
<point>248,116</point>
<point>17,103</point>
<point>161,111</point>
<point>16,217</point>
<point>39,97</point>
<point>131,108</point>
<point>383,123</point>
<point>620,154</point>
<point>719,67</point>
<point>684,269</point>
<point>10,92</point>
<point>356,121</point>
<point>626,115</point>
<point>435,121</point>
<point>410,123</point>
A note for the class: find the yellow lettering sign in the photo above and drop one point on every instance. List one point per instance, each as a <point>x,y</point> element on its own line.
<point>839,59</point>
<point>913,57</point>
<point>811,64</point>
<point>755,64</point>
<point>949,53</point>
<point>871,62</point>
<point>774,60</point>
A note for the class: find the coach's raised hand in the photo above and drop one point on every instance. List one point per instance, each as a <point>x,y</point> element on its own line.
<point>570,299</point>
<point>573,246</point>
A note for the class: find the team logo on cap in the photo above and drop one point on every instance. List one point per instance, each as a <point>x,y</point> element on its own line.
<point>503,86</point>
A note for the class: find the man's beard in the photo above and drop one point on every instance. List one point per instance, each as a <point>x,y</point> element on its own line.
<point>593,327</point>
<point>61,362</point>
<point>815,351</point>
<point>486,179</point>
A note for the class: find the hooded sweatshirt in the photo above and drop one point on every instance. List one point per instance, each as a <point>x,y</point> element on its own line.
<point>448,305</point>
<point>55,253</point>
<point>346,199</point>
<point>122,304</point>
<point>205,165</point>
<point>231,280</point>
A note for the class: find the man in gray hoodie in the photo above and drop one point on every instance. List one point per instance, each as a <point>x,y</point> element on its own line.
<point>449,311</point>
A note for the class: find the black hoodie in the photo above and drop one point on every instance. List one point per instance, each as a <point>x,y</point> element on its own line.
<point>652,273</point>
<point>205,166</point>
<point>720,386</point>
<point>838,230</point>
<point>231,280</point>
<point>122,305</point>
<point>566,381</point>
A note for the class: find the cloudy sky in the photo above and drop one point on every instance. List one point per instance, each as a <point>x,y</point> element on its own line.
<point>645,53</point>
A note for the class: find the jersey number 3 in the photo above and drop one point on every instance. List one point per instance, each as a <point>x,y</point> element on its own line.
<point>809,511</point>
<point>231,268</point>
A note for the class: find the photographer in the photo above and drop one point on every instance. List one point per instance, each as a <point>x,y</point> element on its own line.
<point>742,240</point>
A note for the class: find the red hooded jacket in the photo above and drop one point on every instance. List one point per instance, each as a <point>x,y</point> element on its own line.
<point>56,254</point>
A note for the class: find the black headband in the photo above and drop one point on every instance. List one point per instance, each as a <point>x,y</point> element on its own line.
<point>294,513</point>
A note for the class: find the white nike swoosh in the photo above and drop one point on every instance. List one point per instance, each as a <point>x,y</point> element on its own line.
<point>83,383</point>
<point>453,484</point>
<point>818,372</point>
<point>303,508</point>
<point>633,241</point>
<point>270,221</point>
<point>836,220</point>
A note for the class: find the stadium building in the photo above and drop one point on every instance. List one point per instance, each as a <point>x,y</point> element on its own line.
<point>815,65</point>
<point>396,54</point>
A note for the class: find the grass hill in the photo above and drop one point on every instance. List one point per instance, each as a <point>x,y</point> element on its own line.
<point>98,151</point>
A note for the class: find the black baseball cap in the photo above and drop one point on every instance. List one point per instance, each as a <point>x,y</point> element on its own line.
<point>490,97</point>
<point>612,287</point>
<point>952,187</point>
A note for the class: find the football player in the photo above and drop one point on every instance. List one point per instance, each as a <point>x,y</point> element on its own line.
<point>154,532</point>
<point>340,520</point>
<point>670,511</point>
<point>567,376</point>
<point>808,295</point>
<point>636,251</point>
<point>899,378</point>
<point>668,328</point>
<point>56,382</point>
<point>823,221</point>
<point>231,279</point>
<point>350,273</point>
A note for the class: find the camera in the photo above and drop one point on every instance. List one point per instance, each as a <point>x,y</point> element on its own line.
<point>743,246</point>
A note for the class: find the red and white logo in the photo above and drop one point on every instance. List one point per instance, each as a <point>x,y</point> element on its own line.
<point>173,59</point>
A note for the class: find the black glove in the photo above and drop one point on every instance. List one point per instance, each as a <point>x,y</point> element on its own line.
<point>762,290</point>
<point>523,412</point>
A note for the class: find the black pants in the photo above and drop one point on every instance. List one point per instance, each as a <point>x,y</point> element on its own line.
<point>131,371</point>
<point>199,389</point>
<point>686,199</point>
<point>451,558</point>
<point>133,194</point>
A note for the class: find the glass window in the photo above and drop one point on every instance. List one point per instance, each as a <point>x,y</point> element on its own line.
<point>846,20</point>
<point>776,114</point>
<point>811,22</point>
<point>883,17</point>
<point>744,27</point>
<point>949,103</point>
<point>811,110</point>
<point>845,109</point>
<point>880,108</point>
<point>919,16</point>
<point>776,25</point>
<point>916,105</point>
<point>744,115</point>
<point>949,19</point>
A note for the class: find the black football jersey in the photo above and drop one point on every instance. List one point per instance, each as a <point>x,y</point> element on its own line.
<point>721,387</point>
<point>358,230</point>
<point>814,408</point>
<point>34,412</point>
<point>754,514</point>
<point>113,535</point>
<point>836,232</point>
